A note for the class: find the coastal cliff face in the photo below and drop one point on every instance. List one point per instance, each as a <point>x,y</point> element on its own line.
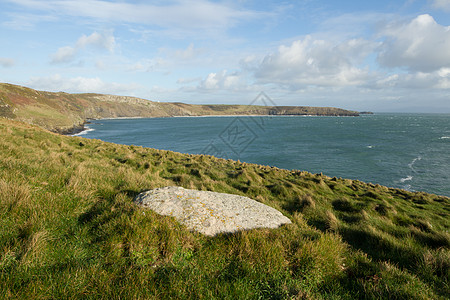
<point>66,113</point>
<point>316,111</point>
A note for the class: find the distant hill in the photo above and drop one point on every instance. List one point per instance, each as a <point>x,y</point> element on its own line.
<point>66,113</point>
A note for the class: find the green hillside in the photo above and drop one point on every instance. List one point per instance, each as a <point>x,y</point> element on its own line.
<point>65,113</point>
<point>69,228</point>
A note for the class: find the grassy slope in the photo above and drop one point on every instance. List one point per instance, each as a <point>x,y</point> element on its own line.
<point>60,112</point>
<point>68,228</point>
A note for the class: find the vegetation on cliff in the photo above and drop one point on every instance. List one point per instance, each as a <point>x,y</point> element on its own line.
<point>64,113</point>
<point>69,229</point>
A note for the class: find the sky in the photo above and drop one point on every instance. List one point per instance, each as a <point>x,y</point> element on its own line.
<point>381,56</point>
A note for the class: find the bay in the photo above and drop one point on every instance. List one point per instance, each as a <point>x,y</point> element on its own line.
<point>408,151</point>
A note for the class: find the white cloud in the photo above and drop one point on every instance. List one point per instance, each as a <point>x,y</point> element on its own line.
<point>437,80</point>
<point>7,62</point>
<point>183,55</point>
<point>194,14</point>
<point>102,41</point>
<point>212,81</point>
<point>157,64</point>
<point>338,63</point>
<point>81,85</point>
<point>64,54</point>
<point>316,62</point>
<point>441,4</point>
<point>168,60</point>
<point>419,45</point>
<point>187,53</point>
<point>222,80</point>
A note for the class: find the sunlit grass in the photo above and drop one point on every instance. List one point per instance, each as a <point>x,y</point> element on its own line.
<point>69,229</point>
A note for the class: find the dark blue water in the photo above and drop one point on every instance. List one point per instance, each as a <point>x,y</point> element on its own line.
<point>409,151</point>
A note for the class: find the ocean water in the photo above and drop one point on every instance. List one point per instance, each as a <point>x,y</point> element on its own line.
<point>408,151</point>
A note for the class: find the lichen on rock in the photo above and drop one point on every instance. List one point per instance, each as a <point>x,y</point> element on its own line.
<point>211,213</point>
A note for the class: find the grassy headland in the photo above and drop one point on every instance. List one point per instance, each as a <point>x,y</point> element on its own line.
<point>66,113</point>
<point>69,229</point>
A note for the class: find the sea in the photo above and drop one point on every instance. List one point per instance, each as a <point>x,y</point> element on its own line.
<point>407,151</point>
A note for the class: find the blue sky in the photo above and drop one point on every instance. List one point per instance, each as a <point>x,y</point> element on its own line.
<point>383,56</point>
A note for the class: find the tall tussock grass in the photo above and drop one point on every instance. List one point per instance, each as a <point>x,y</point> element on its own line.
<point>69,229</point>
<point>14,196</point>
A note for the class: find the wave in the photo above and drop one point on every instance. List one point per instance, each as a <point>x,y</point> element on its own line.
<point>84,131</point>
<point>122,118</point>
<point>409,188</point>
<point>408,178</point>
<point>411,164</point>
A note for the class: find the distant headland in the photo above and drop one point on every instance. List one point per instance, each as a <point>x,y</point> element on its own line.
<point>67,113</point>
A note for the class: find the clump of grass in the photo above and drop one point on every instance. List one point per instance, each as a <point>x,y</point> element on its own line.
<point>432,240</point>
<point>331,221</point>
<point>344,205</point>
<point>403,220</point>
<point>319,262</point>
<point>36,248</point>
<point>424,225</point>
<point>306,201</point>
<point>382,209</point>
<point>437,263</point>
<point>301,203</point>
<point>14,196</point>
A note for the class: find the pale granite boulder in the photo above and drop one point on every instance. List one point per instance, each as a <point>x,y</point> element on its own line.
<point>211,213</point>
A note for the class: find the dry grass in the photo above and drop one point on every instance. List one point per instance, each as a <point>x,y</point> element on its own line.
<point>331,221</point>
<point>14,196</point>
<point>306,201</point>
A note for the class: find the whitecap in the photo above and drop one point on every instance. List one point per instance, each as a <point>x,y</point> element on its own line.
<point>370,146</point>
<point>411,164</point>
<point>444,137</point>
<point>409,188</point>
<point>84,131</point>
<point>408,178</point>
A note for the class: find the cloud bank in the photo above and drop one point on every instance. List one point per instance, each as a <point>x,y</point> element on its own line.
<point>315,62</point>
<point>413,54</point>
<point>419,45</point>
<point>81,85</point>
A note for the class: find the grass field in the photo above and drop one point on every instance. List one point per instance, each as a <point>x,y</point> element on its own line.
<point>69,229</point>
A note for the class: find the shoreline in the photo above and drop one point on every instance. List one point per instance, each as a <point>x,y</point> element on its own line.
<point>83,132</point>
<point>77,130</point>
<point>118,118</point>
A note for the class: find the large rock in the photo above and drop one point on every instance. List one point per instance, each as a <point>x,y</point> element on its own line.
<point>211,213</point>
